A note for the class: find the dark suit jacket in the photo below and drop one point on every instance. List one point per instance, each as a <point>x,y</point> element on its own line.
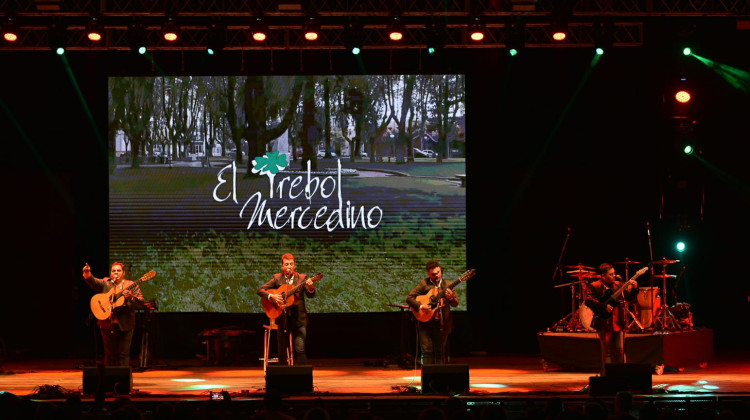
<point>125,314</point>
<point>595,291</point>
<point>424,287</point>
<point>297,313</point>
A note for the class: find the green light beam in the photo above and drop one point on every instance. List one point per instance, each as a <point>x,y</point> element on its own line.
<point>739,79</point>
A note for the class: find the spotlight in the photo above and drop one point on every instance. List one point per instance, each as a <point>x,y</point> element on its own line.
<point>680,246</point>
<point>216,38</point>
<point>136,38</point>
<point>170,31</point>
<point>396,29</point>
<point>311,29</point>
<point>559,32</point>
<point>515,37</point>
<point>476,30</point>
<point>603,37</point>
<point>354,36</point>
<point>682,96</point>
<point>686,51</point>
<point>435,38</point>
<point>688,150</point>
<point>10,30</point>
<point>559,16</point>
<point>94,30</point>
<point>58,38</point>
<point>259,30</point>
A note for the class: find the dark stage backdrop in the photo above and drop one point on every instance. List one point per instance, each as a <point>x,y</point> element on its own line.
<point>552,143</point>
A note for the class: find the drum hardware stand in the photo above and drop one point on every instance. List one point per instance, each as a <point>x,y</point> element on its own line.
<point>665,318</point>
<point>571,322</point>
<point>628,308</point>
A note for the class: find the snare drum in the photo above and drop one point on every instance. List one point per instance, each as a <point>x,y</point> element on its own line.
<point>648,300</point>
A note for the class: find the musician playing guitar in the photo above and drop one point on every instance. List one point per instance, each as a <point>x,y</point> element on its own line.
<point>434,332</point>
<point>604,296</point>
<point>291,318</point>
<point>117,329</point>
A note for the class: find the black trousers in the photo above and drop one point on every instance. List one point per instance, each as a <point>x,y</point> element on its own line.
<point>116,345</point>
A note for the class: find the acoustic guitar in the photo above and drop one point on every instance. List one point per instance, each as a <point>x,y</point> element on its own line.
<point>103,304</point>
<point>434,298</point>
<point>287,291</point>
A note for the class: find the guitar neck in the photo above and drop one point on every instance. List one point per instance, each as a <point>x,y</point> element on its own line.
<point>297,288</point>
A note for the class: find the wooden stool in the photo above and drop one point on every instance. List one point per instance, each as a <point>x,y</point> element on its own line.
<point>272,326</point>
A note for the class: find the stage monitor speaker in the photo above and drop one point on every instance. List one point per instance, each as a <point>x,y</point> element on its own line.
<point>606,385</point>
<point>115,379</point>
<point>443,379</point>
<point>284,378</point>
<point>637,375</point>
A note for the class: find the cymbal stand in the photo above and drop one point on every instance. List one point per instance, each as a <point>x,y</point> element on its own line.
<point>665,319</point>
<point>628,305</point>
<point>570,322</point>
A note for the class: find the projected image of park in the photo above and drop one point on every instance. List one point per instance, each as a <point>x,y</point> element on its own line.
<point>362,178</point>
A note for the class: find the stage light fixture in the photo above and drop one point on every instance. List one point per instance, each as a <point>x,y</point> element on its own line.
<point>476,30</point>
<point>686,51</point>
<point>259,30</point>
<point>94,30</point>
<point>136,38</point>
<point>10,30</point>
<point>58,38</point>
<point>354,36</point>
<point>682,96</point>
<point>435,38</point>
<point>216,38</point>
<point>311,29</point>
<point>680,246</point>
<point>515,37</point>
<point>396,29</point>
<point>603,36</point>
<point>559,31</point>
<point>688,150</point>
<point>170,31</point>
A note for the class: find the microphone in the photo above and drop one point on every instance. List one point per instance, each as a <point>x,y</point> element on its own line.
<point>617,277</point>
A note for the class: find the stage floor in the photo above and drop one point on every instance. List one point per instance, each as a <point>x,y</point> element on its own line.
<point>498,376</point>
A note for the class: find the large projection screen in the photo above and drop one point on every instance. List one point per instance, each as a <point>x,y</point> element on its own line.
<point>362,178</point>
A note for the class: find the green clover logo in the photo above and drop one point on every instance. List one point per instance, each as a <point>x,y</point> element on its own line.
<point>270,164</point>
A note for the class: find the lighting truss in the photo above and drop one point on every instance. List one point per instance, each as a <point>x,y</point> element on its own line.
<point>194,18</point>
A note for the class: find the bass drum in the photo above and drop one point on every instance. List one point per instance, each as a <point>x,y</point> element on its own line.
<point>586,316</point>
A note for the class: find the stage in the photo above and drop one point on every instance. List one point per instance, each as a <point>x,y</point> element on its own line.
<point>346,385</point>
<point>675,349</point>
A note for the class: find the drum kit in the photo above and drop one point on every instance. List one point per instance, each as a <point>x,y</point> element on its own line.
<point>649,312</point>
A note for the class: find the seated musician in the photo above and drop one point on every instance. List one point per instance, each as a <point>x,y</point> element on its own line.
<point>293,319</point>
<point>434,332</point>
<point>609,320</point>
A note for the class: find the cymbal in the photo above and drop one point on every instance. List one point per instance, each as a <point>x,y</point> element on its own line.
<point>581,267</point>
<point>665,276</point>
<point>664,261</point>
<point>580,271</point>
<point>627,261</point>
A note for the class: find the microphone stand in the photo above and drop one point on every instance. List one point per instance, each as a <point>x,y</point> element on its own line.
<point>651,272</point>
<point>558,268</point>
